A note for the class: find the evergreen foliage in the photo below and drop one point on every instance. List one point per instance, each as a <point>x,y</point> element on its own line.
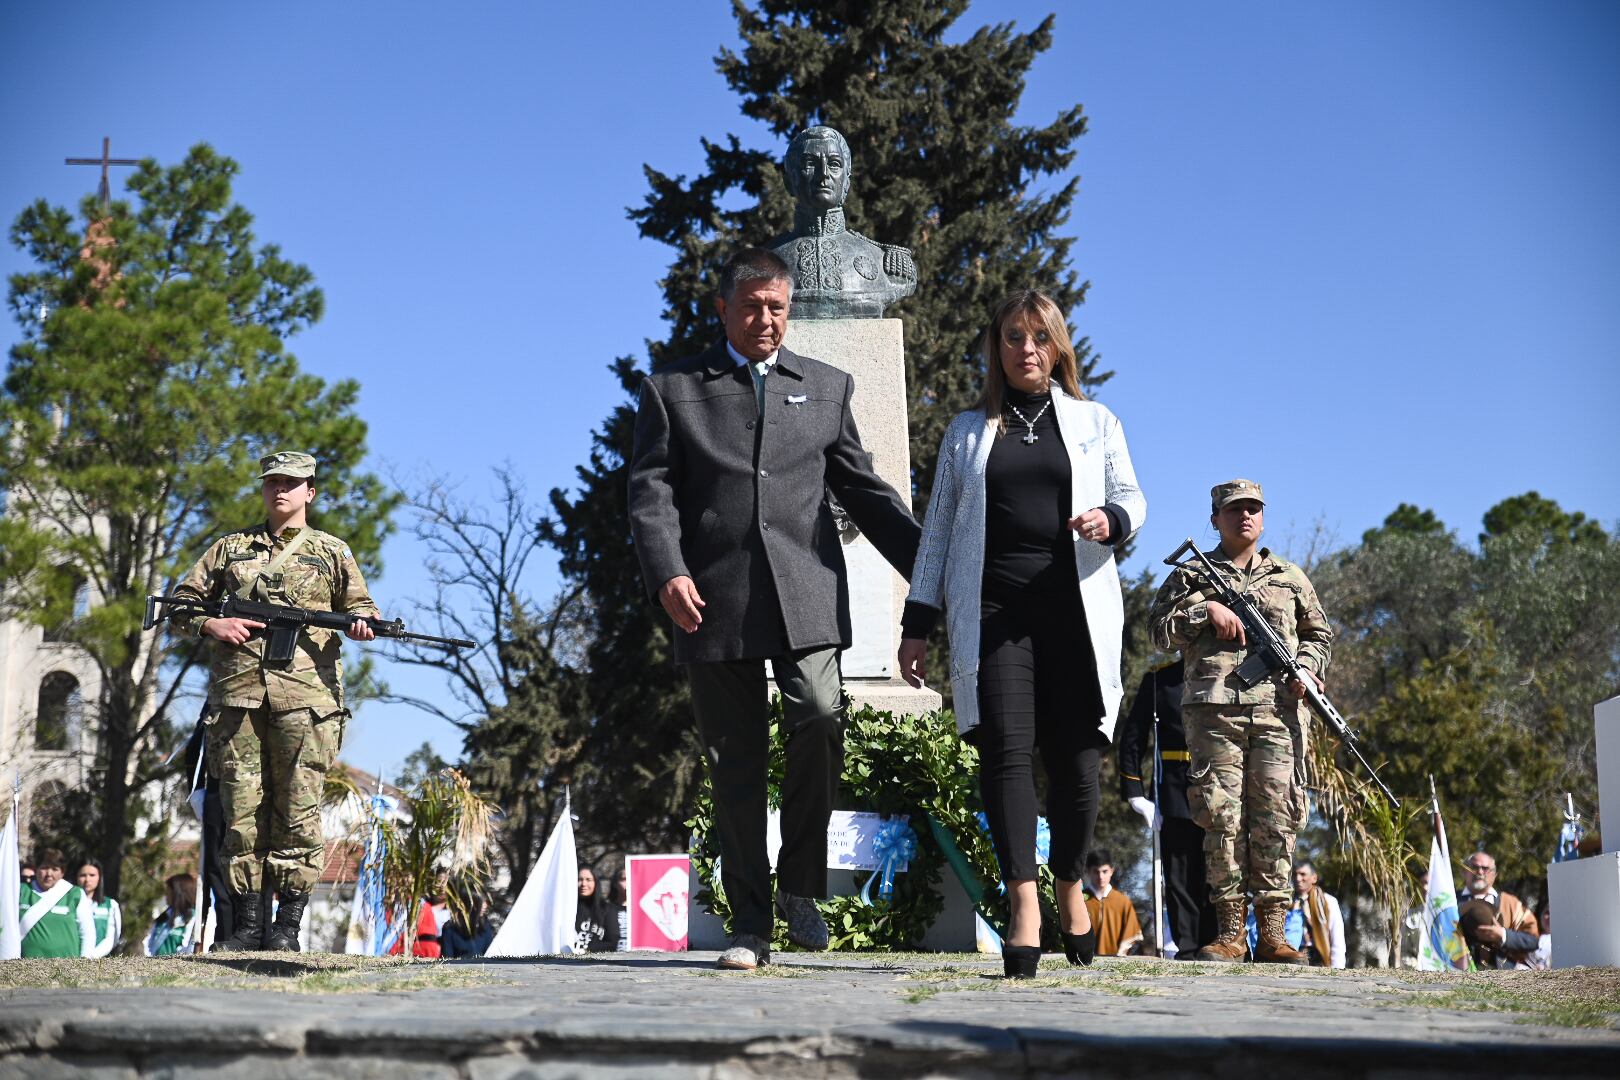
<point>938,166</point>
<point>151,376</point>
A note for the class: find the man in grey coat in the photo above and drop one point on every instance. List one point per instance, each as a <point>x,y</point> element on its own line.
<point>735,453</point>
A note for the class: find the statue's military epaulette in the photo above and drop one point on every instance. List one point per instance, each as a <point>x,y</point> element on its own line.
<point>1167,665</point>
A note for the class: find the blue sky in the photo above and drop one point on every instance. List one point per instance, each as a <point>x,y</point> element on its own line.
<point>1364,253</point>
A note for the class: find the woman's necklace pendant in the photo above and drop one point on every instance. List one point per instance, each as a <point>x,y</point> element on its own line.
<point>1030,438</point>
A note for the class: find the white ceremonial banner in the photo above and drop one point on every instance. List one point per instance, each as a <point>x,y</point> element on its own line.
<point>541,923</point>
<point>850,836</point>
<point>10,888</point>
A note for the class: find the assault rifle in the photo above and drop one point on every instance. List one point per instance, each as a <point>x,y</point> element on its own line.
<point>1269,654</point>
<point>282,624</point>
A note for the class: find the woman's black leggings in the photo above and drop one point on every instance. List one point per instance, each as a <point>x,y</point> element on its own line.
<point>1038,689</point>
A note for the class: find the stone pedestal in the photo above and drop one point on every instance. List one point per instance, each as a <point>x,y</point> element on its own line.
<point>1584,894</point>
<point>1584,897</point>
<point>873,351</point>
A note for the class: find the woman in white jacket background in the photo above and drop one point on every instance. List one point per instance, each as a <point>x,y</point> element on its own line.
<point>1033,491</point>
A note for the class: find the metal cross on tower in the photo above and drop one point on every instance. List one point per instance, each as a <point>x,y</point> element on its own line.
<point>105,191</point>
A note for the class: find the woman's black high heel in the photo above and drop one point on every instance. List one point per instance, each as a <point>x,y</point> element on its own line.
<point>1081,949</point>
<point>1020,961</point>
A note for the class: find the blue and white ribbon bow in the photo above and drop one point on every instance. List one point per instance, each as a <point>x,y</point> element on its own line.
<point>895,844</point>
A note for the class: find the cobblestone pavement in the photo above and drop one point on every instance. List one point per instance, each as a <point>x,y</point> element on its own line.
<point>645,1015</point>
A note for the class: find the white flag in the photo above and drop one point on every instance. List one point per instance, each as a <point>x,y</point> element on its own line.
<point>10,888</point>
<point>1442,947</point>
<point>541,923</point>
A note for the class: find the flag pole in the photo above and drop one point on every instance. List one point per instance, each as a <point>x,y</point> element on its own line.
<point>1153,826</point>
<point>1439,824</point>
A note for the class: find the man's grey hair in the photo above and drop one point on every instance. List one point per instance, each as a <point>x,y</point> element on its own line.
<point>753,264</point>
<point>1306,865</point>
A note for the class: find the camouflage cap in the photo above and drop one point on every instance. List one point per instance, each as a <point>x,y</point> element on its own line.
<point>1232,491</point>
<point>287,463</point>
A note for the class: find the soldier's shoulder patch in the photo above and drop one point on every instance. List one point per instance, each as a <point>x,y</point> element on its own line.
<point>334,545</point>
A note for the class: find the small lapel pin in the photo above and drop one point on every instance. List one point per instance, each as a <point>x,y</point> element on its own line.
<point>797,399</point>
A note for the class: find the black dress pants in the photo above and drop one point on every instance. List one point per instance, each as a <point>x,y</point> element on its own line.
<point>217,870</point>
<point>1038,691</point>
<point>731,706</point>
<point>1186,891</point>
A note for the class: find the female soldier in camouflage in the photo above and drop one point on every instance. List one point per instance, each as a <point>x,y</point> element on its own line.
<point>276,726</point>
<point>1246,787</point>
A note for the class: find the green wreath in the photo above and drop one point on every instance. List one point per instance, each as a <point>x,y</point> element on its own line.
<point>914,765</point>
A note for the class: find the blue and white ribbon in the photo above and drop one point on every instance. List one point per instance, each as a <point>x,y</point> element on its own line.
<point>1043,836</point>
<point>895,844</point>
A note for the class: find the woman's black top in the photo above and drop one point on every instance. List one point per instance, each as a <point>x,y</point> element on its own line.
<point>1026,501</point>
<point>595,927</point>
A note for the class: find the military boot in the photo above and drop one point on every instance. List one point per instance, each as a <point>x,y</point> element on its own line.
<point>249,931</point>
<point>1273,947</point>
<point>284,934</point>
<point>1232,941</point>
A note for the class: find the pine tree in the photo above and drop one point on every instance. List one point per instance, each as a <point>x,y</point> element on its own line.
<point>132,416</point>
<point>938,166</point>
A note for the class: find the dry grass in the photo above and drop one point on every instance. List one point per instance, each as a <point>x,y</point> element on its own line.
<point>315,973</point>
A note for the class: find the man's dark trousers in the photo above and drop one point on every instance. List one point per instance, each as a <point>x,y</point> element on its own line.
<point>729,699</point>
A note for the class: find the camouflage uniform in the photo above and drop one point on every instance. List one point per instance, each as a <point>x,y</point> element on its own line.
<point>1247,783</point>
<point>275,727</point>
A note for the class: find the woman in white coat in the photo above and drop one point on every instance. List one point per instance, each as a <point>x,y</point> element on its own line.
<point>1033,491</point>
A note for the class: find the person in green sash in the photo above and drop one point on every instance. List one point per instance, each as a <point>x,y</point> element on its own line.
<point>109,918</point>
<point>56,917</point>
<point>170,931</point>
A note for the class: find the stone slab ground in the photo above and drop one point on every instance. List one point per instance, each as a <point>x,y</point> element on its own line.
<point>914,1015</point>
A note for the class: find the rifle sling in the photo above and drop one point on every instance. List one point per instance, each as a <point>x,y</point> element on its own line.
<point>246,591</point>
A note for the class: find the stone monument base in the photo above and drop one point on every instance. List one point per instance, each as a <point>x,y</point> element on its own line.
<point>1585,894</point>
<point>892,696</point>
<point>873,352</point>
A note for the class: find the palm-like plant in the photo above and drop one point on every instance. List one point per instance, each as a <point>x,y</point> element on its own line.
<point>1375,836</point>
<point>443,846</point>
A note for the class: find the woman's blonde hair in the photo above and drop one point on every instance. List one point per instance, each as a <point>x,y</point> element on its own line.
<point>1036,307</point>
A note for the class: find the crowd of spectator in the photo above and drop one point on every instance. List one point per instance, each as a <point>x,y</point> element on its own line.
<point>80,919</point>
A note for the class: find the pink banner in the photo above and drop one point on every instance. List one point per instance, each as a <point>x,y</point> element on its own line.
<point>657,901</point>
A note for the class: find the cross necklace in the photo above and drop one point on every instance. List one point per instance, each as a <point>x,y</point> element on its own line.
<point>1030,438</point>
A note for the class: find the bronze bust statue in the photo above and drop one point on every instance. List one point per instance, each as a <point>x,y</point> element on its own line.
<point>837,272</point>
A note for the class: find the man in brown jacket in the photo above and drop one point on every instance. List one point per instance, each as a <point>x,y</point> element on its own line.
<point>1514,936</point>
